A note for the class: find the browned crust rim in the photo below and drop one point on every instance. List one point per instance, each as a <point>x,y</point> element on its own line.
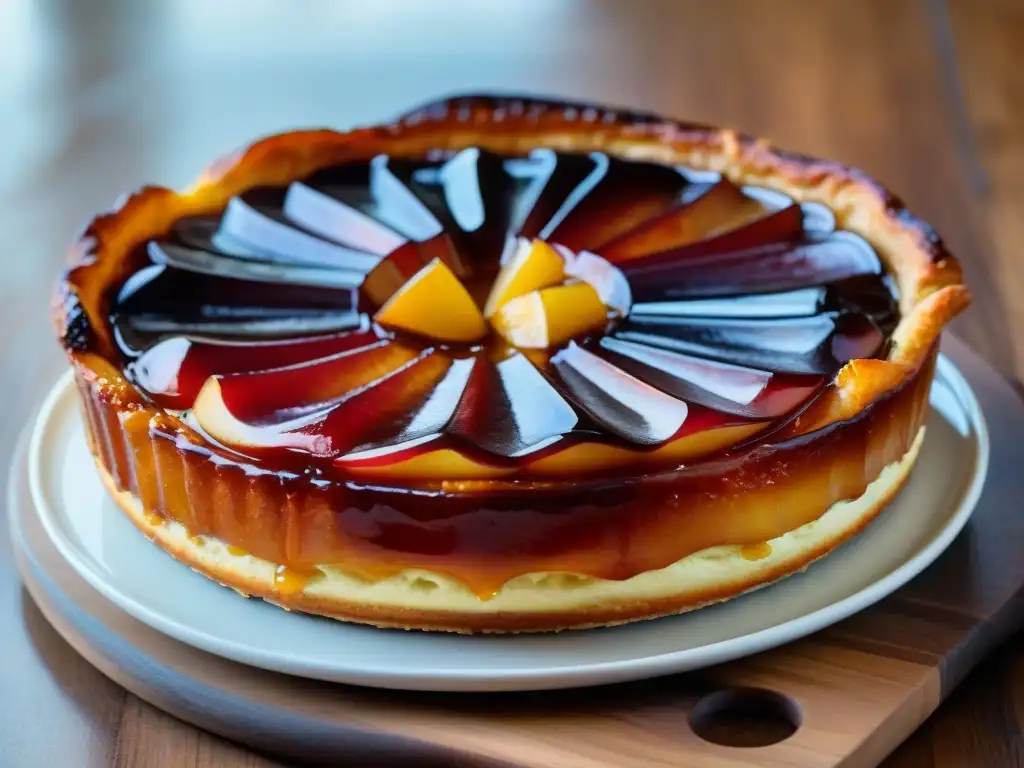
<point>609,613</point>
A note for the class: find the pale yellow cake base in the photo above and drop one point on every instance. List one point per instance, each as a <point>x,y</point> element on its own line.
<point>418,599</point>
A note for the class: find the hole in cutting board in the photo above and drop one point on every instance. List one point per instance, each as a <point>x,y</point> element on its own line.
<point>745,717</point>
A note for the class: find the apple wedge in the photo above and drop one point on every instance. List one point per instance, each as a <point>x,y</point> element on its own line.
<point>735,389</point>
<point>175,369</point>
<point>551,316</point>
<point>533,266</point>
<point>721,209</point>
<point>434,304</point>
<point>324,408</point>
<point>333,219</point>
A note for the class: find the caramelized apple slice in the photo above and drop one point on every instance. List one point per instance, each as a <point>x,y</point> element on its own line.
<point>582,459</point>
<point>396,204</point>
<point>216,419</point>
<point>783,226</point>
<point>239,322</point>
<point>812,345</point>
<point>162,299</point>
<point>802,302</point>
<point>262,232</point>
<point>711,433</point>
<point>534,265</point>
<point>855,338</point>
<point>386,406</point>
<point>509,408</point>
<point>328,429</point>
<point>609,282</point>
<point>380,189</point>
<point>175,369</point>
<point>723,207</point>
<point>864,294</point>
<point>423,419</point>
<point>771,268</point>
<point>335,220</point>
<point>819,220</point>
<point>616,198</point>
<point>283,393</point>
<point>433,303</point>
<point>747,392</point>
<point>220,265</point>
<point>161,287</point>
<point>202,233</point>
<point>559,177</point>
<point>477,194</point>
<point>704,433</point>
<point>551,316</point>
<point>867,295</point>
<point>399,266</point>
<point>617,401</point>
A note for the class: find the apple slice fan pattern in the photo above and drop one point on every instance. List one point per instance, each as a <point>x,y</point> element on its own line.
<point>476,316</point>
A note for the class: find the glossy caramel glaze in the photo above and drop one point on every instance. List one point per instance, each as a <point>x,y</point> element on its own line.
<point>672,315</point>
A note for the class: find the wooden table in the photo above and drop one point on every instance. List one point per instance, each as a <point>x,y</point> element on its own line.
<point>97,98</point>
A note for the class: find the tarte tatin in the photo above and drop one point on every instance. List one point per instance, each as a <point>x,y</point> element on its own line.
<point>506,364</point>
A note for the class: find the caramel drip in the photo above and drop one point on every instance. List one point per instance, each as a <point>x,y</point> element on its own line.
<point>108,436</point>
<point>756,551</point>
<point>169,469</point>
<point>93,435</point>
<point>226,507</point>
<point>289,582</point>
<point>197,487</point>
<point>125,467</point>
<point>136,425</point>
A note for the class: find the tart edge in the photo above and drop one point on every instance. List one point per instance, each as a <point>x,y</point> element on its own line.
<point>931,293</point>
<point>727,574</point>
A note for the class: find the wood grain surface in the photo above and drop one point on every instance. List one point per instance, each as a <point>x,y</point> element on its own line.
<point>97,98</point>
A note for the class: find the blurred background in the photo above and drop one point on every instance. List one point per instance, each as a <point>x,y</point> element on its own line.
<point>98,97</point>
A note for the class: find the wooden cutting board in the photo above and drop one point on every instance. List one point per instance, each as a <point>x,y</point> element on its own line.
<point>845,696</point>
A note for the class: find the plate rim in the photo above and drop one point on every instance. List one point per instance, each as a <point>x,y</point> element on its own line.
<point>485,679</point>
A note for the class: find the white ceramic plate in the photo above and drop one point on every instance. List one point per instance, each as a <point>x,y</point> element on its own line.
<point>110,554</point>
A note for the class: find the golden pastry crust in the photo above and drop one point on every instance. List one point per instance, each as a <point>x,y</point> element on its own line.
<point>534,602</point>
<point>148,457</point>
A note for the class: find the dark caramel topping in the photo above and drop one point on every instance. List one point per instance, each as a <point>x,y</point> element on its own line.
<point>343,315</point>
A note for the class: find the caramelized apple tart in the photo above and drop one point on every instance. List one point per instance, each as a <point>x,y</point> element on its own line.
<point>506,364</point>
